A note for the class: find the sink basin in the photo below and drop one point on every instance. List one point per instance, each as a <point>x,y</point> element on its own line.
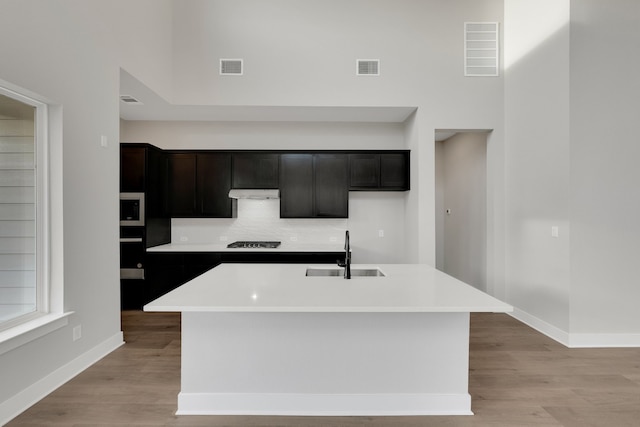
<point>339,272</point>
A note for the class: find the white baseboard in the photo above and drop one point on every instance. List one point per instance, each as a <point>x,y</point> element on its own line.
<point>604,340</point>
<point>303,404</point>
<point>541,326</point>
<point>576,340</point>
<point>17,404</point>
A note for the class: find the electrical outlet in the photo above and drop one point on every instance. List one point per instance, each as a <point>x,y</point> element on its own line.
<point>77,333</point>
<point>184,239</point>
<point>224,238</point>
<point>380,233</point>
<point>333,239</point>
<point>294,238</point>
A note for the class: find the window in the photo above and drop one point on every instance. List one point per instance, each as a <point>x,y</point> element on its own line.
<point>23,209</point>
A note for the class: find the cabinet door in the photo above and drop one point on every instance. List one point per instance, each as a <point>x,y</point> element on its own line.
<point>364,171</point>
<point>214,183</point>
<point>255,170</point>
<point>156,188</point>
<point>331,185</point>
<point>132,168</point>
<point>296,185</point>
<point>394,171</point>
<point>182,184</point>
<point>163,273</point>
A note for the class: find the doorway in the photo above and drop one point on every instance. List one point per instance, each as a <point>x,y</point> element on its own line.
<point>461,205</point>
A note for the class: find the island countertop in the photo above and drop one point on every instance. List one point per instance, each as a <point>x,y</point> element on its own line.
<point>405,288</point>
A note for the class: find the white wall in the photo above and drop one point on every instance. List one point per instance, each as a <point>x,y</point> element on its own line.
<point>571,162</point>
<point>69,52</point>
<point>462,182</point>
<point>537,159</point>
<point>304,53</point>
<point>605,201</point>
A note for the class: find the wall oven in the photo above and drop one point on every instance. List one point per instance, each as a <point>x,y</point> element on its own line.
<point>132,244</point>
<point>131,257</point>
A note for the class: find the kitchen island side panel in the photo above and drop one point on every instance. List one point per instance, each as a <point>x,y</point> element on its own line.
<point>325,363</point>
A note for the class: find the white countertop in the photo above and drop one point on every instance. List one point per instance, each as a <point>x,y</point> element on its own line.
<point>285,288</point>
<point>222,247</point>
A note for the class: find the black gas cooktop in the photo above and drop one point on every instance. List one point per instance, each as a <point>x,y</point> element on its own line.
<point>254,244</point>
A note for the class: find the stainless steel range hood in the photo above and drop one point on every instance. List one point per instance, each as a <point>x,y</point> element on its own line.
<point>256,194</point>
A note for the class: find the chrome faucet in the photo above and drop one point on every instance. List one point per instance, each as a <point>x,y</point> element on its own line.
<point>347,257</point>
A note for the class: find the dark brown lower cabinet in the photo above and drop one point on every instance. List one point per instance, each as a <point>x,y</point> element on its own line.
<point>165,271</point>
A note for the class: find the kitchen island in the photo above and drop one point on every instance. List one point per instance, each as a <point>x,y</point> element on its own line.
<point>268,339</point>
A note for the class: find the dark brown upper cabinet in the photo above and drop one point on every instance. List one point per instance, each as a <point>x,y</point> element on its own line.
<point>132,168</point>
<point>314,185</point>
<point>182,184</point>
<point>364,171</point>
<point>213,184</point>
<point>331,185</point>
<point>296,186</point>
<point>379,171</point>
<point>199,184</point>
<point>394,171</point>
<point>255,170</point>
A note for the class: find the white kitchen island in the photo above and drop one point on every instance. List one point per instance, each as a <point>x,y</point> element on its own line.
<point>266,339</point>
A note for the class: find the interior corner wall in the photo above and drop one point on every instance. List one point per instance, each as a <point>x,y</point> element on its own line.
<point>66,52</point>
<point>537,160</point>
<point>605,201</point>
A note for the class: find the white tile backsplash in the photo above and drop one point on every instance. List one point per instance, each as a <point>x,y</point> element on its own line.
<point>369,214</point>
<point>257,220</point>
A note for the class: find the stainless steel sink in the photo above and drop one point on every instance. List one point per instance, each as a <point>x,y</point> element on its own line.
<point>339,272</point>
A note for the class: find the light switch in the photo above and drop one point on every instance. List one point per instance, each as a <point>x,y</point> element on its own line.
<point>380,233</point>
<point>555,232</point>
<point>104,141</point>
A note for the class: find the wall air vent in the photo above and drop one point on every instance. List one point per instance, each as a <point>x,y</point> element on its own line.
<point>481,49</point>
<point>231,67</point>
<point>128,99</point>
<point>368,67</point>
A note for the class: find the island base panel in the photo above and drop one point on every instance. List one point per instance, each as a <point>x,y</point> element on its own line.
<point>325,363</point>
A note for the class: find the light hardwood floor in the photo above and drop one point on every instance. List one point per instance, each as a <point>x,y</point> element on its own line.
<point>518,377</point>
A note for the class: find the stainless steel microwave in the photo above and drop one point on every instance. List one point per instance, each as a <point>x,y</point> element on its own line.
<point>132,209</point>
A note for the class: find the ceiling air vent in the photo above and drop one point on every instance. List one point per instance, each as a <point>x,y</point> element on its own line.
<point>231,67</point>
<point>481,49</point>
<point>128,99</point>
<point>368,67</point>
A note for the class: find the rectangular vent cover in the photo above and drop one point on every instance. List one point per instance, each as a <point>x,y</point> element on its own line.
<point>128,99</point>
<point>481,49</point>
<point>231,67</point>
<point>368,67</point>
